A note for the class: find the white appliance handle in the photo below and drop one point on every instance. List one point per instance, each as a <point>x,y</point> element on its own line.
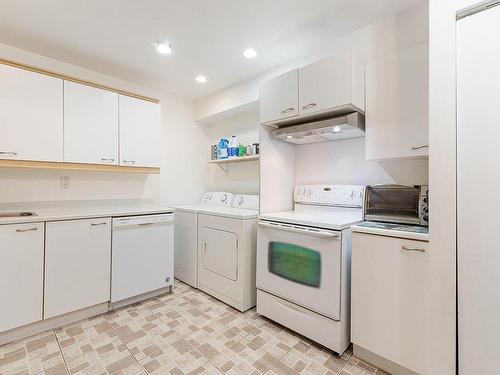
<point>302,230</point>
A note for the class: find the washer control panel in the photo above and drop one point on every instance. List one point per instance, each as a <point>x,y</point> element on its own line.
<point>218,198</point>
<point>246,201</point>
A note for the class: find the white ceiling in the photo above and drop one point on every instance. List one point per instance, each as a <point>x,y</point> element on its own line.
<point>115,36</point>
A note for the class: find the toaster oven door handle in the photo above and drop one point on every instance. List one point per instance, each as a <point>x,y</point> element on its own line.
<point>301,230</point>
<point>391,186</point>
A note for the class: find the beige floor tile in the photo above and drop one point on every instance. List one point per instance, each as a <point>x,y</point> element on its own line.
<point>309,358</point>
<point>33,355</point>
<point>187,332</point>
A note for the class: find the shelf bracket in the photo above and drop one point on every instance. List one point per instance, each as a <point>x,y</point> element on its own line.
<point>226,169</point>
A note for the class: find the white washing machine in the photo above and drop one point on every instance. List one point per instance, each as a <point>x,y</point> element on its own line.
<point>186,235</point>
<point>227,251</point>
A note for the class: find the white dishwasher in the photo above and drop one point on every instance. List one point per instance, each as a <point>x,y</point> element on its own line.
<point>142,255</point>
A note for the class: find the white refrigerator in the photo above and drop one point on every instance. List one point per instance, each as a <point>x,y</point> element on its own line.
<point>478,192</point>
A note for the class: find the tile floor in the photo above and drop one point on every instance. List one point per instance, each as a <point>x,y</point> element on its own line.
<point>186,332</point>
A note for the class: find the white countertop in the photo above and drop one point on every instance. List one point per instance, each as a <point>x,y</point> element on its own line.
<point>53,211</point>
<point>410,235</point>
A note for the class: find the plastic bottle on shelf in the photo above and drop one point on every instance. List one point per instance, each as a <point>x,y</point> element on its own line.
<point>222,149</point>
<point>233,147</point>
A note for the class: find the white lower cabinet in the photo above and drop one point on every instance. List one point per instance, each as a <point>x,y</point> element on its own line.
<point>21,274</point>
<point>77,265</point>
<point>389,298</point>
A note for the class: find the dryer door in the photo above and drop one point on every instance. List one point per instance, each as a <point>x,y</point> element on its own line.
<point>219,252</point>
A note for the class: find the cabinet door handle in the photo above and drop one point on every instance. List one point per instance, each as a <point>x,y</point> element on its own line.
<point>129,161</point>
<point>8,153</point>
<point>107,159</point>
<point>417,249</point>
<point>26,230</point>
<point>96,224</point>
<point>419,147</point>
<point>288,110</point>
<point>310,105</point>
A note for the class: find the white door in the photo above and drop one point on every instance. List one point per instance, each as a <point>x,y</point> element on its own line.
<point>478,175</point>
<point>31,115</point>
<point>300,266</point>
<point>219,252</point>
<point>186,247</point>
<point>140,132</point>
<point>279,97</point>
<point>90,124</point>
<point>77,265</point>
<point>331,83</point>
<point>397,104</point>
<point>21,274</point>
<point>389,308</point>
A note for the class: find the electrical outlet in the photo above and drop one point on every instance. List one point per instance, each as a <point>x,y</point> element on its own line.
<point>64,182</point>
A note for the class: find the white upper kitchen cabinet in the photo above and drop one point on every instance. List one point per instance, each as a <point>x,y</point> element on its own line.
<point>279,98</point>
<point>90,124</point>
<point>77,265</point>
<point>397,104</point>
<point>31,115</point>
<point>390,298</point>
<point>333,84</point>
<point>21,274</point>
<point>140,132</point>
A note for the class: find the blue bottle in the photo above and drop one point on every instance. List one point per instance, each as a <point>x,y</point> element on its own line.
<point>222,149</point>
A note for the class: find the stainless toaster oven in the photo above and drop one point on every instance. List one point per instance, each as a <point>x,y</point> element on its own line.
<point>402,204</point>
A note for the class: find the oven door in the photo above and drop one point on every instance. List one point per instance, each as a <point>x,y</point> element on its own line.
<point>300,264</point>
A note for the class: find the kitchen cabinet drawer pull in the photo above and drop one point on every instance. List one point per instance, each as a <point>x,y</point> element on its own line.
<point>288,110</point>
<point>107,159</point>
<point>417,249</point>
<point>310,105</point>
<point>414,148</point>
<point>96,224</point>
<point>8,153</point>
<point>129,161</point>
<point>26,230</point>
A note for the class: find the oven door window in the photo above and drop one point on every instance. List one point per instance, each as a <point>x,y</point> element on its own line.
<point>295,263</point>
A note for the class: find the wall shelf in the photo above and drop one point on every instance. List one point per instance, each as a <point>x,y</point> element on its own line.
<point>224,163</point>
<point>76,166</point>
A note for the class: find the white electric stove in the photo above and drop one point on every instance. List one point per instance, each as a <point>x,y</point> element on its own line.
<point>303,263</point>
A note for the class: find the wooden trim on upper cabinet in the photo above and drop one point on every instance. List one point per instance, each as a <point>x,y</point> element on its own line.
<point>76,80</point>
<point>76,166</point>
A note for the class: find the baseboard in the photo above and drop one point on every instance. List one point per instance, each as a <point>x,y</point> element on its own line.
<point>381,362</point>
<point>141,297</point>
<point>62,320</point>
<point>56,322</point>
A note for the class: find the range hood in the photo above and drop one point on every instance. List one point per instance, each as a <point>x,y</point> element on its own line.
<point>351,125</point>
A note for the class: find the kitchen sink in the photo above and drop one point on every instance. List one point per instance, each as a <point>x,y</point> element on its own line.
<point>16,214</point>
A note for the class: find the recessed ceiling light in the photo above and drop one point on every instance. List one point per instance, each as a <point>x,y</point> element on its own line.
<point>249,53</point>
<point>201,79</point>
<point>165,48</point>
<point>337,129</point>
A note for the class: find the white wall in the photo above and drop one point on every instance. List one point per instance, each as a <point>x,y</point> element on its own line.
<point>174,185</point>
<point>242,178</point>
<point>344,162</point>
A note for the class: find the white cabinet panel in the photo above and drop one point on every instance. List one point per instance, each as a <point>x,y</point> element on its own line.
<point>389,298</point>
<point>279,97</point>
<point>397,104</point>
<point>331,83</point>
<point>478,175</point>
<point>90,124</point>
<point>21,274</point>
<point>31,115</point>
<point>77,265</point>
<point>140,132</point>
